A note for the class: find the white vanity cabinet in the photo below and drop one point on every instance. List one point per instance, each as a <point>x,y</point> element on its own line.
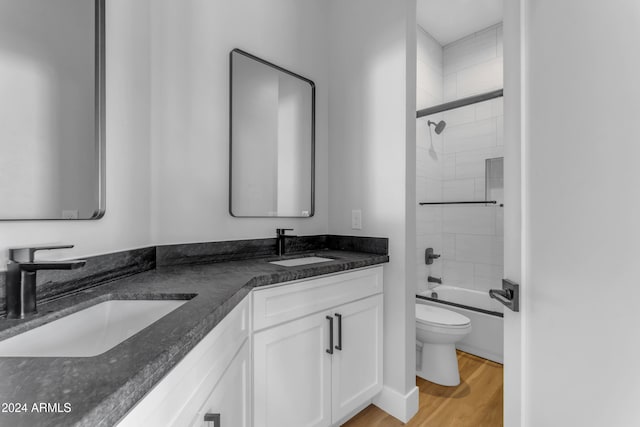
<point>214,377</point>
<point>299,378</point>
<point>272,361</point>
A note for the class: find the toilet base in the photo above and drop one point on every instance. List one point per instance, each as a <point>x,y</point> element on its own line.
<point>439,364</point>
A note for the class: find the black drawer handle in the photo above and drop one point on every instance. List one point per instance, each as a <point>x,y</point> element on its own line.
<point>339,346</point>
<point>330,349</point>
<point>212,418</point>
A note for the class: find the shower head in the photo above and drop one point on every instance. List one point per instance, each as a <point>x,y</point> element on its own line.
<point>439,127</point>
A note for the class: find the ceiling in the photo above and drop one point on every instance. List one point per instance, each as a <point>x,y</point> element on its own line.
<point>451,20</point>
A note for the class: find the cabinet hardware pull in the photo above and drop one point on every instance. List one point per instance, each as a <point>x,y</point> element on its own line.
<point>212,418</point>
<point>330,349</point>
<point>339,346</point>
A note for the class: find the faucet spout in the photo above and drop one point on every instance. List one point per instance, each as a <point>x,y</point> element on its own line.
<point>52,265</point>
<point>432,279</point>
<point>20,291</point>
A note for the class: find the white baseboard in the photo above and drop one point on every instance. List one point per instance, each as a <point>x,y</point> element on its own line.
<point>402,407</point>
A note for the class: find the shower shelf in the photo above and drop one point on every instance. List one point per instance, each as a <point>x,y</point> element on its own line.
<point>476,202</point>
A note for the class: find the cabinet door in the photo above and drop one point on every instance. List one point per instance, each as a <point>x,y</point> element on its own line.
<point>230,396</point>
<point>292,374</point>
<point>357,368</point>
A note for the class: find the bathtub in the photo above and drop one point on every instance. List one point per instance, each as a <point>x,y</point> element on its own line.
<point>485,339</point>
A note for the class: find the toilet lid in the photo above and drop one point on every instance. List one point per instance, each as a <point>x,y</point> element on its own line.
<point>440,316</point>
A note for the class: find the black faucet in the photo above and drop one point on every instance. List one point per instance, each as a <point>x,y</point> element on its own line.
<point>281,236</point>
<point>432,279</point>
<point>21,278</point>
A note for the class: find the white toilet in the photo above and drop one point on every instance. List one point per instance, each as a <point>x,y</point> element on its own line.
<point>438,330</point>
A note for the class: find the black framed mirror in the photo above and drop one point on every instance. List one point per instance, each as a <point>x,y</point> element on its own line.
<point>272,140</point>
<point>52,62</point>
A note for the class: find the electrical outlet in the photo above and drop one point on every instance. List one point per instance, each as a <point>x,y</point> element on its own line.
<point>356,219</point>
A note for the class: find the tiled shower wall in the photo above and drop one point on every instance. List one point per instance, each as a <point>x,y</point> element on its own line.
<point>473,64</point>
<point>469,237</point>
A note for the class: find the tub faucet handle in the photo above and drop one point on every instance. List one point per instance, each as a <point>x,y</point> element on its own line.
<point>432,279</point>
<point>429,256</point>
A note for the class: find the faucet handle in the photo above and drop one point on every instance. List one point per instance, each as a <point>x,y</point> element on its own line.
<point>429,256</point>
<point>26,254</point>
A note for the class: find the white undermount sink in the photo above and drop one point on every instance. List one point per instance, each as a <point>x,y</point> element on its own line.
<point>294,262</point>
<point>88,332</point>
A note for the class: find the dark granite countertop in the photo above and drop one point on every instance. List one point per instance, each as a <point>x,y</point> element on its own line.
<point>101,389</point>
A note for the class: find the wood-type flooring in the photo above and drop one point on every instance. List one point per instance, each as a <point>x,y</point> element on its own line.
<point>476,402</point>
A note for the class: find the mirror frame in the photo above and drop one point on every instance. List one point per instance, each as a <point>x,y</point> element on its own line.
<point>313,134</point>
<point>100,107</point>
<point>100,101</point>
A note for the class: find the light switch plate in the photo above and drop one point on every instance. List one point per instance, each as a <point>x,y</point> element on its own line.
<point>356,219</point>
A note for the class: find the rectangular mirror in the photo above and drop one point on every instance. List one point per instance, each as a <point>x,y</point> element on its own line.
<point>272,134</point>
<point>51,109</point>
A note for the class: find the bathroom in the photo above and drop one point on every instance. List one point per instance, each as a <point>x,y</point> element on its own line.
<point>460,194</point>
<point>569,232</point>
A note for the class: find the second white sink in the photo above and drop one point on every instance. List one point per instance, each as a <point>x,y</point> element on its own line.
<point>294,262</point>
<point>88,332</point>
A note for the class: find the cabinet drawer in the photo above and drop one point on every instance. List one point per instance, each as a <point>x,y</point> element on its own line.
<point>297,299</point>
<point>177,397</point>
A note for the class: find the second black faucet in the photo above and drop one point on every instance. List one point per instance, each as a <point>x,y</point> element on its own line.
<point>281,236</point>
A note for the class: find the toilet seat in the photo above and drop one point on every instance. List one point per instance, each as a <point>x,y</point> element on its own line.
<point>440,317</point>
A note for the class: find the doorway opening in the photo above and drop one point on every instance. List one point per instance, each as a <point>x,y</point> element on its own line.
<point>460,178</point>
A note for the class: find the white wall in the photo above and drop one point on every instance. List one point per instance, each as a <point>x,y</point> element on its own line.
<point>125,224</point>
<point>190,45</point>
<point>581,213</point>
<point>372,157</point>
